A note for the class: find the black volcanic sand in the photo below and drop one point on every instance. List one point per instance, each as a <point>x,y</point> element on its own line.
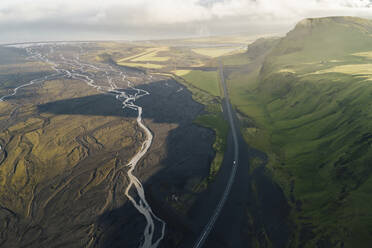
<point>187,155</point>
<point>256,206</point>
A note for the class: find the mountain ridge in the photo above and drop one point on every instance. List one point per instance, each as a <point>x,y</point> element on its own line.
<point>309,106</point>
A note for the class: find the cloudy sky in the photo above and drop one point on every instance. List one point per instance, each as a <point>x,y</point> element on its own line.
<point>36,20</point>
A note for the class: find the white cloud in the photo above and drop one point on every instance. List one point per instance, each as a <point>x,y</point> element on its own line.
<point>112,14</point>
<point>165,11</point>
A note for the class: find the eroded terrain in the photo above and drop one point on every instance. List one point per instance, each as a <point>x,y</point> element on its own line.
<point>66,143</point>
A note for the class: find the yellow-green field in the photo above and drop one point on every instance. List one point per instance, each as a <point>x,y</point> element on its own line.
<point>181,72</point>
<point>364,54</point>
<point>142,65</point>
<point>153,55</point>
<point>149,54</point>
<point>207,81</point>
<point>215,52</point>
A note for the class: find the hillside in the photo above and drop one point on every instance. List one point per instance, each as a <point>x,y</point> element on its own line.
<point>307,108</point>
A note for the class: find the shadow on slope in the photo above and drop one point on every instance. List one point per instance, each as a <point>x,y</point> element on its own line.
<point>168,102</point>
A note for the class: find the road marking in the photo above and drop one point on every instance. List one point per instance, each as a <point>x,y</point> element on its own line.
<point>207,229</point>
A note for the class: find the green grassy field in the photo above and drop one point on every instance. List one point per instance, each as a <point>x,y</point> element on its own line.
<point>205,80</point>
<point>307,108</point>
<point>216,122</point>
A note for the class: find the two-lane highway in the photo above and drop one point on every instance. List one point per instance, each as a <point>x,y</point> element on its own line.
<point>234,165</point>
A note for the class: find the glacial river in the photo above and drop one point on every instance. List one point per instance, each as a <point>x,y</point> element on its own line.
<point>74,68</point>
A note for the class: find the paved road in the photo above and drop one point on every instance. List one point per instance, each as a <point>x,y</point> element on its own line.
<point>207,229</point>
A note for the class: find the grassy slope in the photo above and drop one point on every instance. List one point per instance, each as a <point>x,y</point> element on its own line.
<point>220,126</point>
<point>316,128</point>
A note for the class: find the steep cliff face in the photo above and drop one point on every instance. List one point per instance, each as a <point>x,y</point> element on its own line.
<point>313,91</point>
<point>323,38</point>
<point>261,47</point>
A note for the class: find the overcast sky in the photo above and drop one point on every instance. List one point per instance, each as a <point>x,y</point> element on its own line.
<point>37,20</point>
